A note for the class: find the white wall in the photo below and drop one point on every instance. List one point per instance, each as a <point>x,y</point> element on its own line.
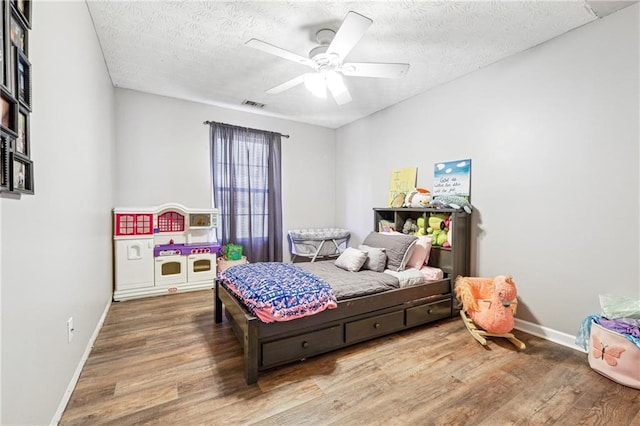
<point>163,156</point>
<point>56,244</point>
<point>553,137</point>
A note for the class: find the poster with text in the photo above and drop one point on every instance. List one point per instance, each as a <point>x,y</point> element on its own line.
<point>402,180</point>
<point>452,178</point>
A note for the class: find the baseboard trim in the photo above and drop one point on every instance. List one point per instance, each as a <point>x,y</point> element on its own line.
<point>554,336</point>
<point>76,375</point>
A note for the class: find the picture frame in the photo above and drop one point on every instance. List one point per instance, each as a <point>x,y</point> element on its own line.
<point>16,166</point>
<point>5,146</point>
<point>18,33</point>
<point>4,77</point>
<point>22,145</point>
<point>23,9</point>
<point>23,79</point>
<point>20,174</point>
<point>8,111</point>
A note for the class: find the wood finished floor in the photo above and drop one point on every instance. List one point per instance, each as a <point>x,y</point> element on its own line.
<point>164,361</point>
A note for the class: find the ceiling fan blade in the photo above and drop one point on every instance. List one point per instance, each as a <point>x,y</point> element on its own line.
<point>338,90</point>
<point>277,51</point>
<point>368,69</point>
<point>349,34</point>
<point>286,85</point>
<point>343,97</point>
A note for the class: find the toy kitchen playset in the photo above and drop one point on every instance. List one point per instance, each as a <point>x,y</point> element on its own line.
<point>162,250</point>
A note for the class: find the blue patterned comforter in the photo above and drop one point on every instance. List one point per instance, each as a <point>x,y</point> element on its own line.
<point>278,291</point>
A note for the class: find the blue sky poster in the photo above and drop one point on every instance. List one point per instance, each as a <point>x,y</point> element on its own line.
<point>452,178</point>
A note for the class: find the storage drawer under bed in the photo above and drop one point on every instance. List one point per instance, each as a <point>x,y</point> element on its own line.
<point>374,326</point>
<point>301,346</point>
<point>430,312</point>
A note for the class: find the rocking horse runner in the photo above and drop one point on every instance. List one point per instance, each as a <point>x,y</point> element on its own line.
<point>489,303</point>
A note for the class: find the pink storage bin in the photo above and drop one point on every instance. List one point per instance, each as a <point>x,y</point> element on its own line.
<point>614,356</point>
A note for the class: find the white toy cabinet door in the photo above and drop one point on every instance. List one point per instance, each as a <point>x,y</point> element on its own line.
<point>134,263</point>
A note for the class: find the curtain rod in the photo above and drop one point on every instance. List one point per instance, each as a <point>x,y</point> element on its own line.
<point>248,128</point>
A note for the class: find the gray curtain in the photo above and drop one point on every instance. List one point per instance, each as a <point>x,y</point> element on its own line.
<point>245,164</point>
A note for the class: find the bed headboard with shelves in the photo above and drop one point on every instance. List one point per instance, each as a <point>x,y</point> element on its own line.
<point>454,260</point>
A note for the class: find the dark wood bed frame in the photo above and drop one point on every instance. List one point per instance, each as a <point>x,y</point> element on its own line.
<point>354,320</point>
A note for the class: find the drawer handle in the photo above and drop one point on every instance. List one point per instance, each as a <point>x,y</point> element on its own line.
<point>429,311</point>
<point>376,325</point>
<point>305,344</point>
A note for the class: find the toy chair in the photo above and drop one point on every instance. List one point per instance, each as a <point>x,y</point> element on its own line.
<point>488,307</point>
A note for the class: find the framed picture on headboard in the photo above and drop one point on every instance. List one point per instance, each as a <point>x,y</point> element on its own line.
<point>452,178</point>
<point>402,181</point>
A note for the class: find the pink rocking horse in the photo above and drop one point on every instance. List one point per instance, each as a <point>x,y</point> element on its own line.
<point>488,303</point>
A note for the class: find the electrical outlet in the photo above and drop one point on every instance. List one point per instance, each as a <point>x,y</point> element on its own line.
<point>70,329</point>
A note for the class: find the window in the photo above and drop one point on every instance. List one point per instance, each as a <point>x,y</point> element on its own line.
<point>246,190</point>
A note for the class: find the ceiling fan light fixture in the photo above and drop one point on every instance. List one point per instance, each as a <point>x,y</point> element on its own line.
<point>327,61</point>
<point>335,83</point>
<point>338,89</point>
<point>316,84</point>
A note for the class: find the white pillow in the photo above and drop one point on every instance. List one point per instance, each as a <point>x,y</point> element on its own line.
<point>351,259</point>
<point>376,258</point>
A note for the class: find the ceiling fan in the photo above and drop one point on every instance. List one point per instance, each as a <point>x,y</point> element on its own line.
<point>327,60</point>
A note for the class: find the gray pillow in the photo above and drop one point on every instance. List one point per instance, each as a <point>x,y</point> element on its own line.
<point>351,259</point>
<point>376,258</point>
<point>397,247</point>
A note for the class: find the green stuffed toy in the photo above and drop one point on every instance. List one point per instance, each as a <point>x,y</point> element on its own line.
<point>422,229</point>
<point>438,228</point>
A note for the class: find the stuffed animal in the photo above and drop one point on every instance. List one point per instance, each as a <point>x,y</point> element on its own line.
<point>451,201</point>
<point>419,197</point>
<point>409,226</point>
<point>398,200</point>
<point>438,228</point>
<point>422,229</point>
<point>489,302</point>
<point>448,225</point>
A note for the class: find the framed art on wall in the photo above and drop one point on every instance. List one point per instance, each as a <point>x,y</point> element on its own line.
<point>3,73</point>
<point>5,112</point>
<point>18,33</point>
<point>21,171</point>
<point>22,141</point>
<point>23,74</point>
<point>16,166</point>
<point>8,106</point>
<point>23,7</point>
<point>4,162</point>
<point>17,38</point>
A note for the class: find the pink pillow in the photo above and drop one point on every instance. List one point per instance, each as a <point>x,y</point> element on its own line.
<point>420,252</point>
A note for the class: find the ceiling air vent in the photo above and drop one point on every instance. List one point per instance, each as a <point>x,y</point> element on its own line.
<point>252,103</point>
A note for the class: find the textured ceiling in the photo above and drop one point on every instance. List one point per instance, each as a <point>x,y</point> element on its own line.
<point>195,50</point>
